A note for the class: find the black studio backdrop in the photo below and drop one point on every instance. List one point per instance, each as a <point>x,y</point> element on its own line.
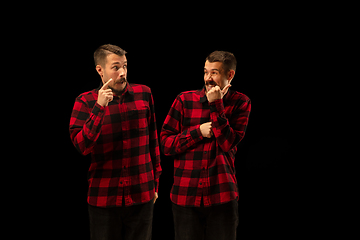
<point>169,63</point>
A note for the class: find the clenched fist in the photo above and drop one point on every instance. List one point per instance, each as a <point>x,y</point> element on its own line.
<point>105,94</point>
<point>206,130</point>
<point>216,93</point>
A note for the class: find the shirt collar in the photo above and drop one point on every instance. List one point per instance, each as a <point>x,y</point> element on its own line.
<point>129,89</point>
<point>203,97</point>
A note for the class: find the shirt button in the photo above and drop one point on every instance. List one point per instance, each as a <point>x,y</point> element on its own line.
<point>205,152</point>
<point>200,183</point>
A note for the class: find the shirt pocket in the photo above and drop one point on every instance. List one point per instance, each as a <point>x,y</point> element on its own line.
<point>138,117</point>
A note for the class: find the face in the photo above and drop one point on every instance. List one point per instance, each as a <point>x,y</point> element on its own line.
<point>115,68</point>
<point>214,75</point>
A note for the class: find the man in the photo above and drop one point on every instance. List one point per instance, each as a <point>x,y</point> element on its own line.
<point>201,132</point>
<point>116,124</point>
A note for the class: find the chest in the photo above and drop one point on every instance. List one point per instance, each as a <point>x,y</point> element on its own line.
<point>125,115</point>
<point>198,113</point>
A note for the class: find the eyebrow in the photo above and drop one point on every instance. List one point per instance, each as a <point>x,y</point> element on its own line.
<point>118,63</point>
<point>214,69</point>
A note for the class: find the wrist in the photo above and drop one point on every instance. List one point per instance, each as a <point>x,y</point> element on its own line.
<point>98,108</point>
<point>217,106</point>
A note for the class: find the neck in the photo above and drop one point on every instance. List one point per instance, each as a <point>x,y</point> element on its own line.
<point>119,93</point>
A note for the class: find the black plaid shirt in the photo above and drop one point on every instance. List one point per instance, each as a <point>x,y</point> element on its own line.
<point>122,140</point>
<point>203,167</point>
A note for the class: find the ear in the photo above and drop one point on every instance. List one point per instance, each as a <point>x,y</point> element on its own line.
<point>230,75</point>
<point>100,71</point>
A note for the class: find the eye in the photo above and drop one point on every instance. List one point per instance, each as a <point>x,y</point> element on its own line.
<point>115,67</point>
<point>125,66</point>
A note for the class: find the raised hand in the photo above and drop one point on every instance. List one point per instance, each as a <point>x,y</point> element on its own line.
<point>216,93</point>
<point>105,94</point>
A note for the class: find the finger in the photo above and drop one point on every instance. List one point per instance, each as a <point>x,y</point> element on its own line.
<point>211,90</point>
<point>107,91</point>
<point>105,86</point>
<point>109,97</point>
<point>226,88</point>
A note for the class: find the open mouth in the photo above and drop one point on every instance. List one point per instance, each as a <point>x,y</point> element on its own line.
<point>210,85</point>
<point>121,81</point>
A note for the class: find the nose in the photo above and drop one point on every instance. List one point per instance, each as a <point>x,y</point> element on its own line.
<point>121,72</point>
<point>207,77</point>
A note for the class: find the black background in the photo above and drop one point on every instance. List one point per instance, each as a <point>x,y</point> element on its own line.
<point>169,58</point>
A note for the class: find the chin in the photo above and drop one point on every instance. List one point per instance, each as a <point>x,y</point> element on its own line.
<point>119,87</point>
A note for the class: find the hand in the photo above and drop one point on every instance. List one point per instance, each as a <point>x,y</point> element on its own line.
<point>105,94</point>
<point>156,196</point>
<point>205,130</point>
<point>216,93</point>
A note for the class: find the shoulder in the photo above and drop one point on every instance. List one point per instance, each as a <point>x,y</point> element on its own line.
<point>140,92</point>
<point>89,97</point>
<point>193,95</point>
<point>238,96</point>
<point>140,88</point>
<point>239,100</point>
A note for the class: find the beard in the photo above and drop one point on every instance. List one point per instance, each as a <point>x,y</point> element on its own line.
<point>121,83</point>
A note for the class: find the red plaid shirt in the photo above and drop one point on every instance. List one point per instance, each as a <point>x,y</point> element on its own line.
<point>203,167</point>
<point>122,140</point>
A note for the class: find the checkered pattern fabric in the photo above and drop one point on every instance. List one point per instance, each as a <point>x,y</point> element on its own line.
<point>203,167</point>
<point>122,140</point>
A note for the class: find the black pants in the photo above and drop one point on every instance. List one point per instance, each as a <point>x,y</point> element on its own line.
<point>121,223</point>
<point>206,223</point>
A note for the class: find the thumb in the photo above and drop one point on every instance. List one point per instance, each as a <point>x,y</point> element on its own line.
<point>225,89</point>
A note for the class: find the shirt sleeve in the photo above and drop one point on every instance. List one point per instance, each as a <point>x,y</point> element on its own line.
<point>85,125</point>
<point>229,133</point>
<point>154,145</point>
<point>175,140</point>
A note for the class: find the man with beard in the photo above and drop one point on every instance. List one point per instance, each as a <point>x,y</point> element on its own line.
<point>116,124</point>
<point>202,131</point>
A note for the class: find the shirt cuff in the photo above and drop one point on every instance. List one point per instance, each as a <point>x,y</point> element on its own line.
<point>97,108</point>
<point>196,133</point>
<point>217,106</point>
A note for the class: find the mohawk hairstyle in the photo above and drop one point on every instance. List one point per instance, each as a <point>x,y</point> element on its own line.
<point>101,53</point>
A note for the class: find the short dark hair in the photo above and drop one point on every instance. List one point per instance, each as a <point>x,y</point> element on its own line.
<point>101,53</point>
<point>227,58</point>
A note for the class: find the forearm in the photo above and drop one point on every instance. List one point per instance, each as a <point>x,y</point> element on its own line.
<point>85,127</point>
<point>174,143</point>
<point>227,134</point>
<point>155,158</point>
